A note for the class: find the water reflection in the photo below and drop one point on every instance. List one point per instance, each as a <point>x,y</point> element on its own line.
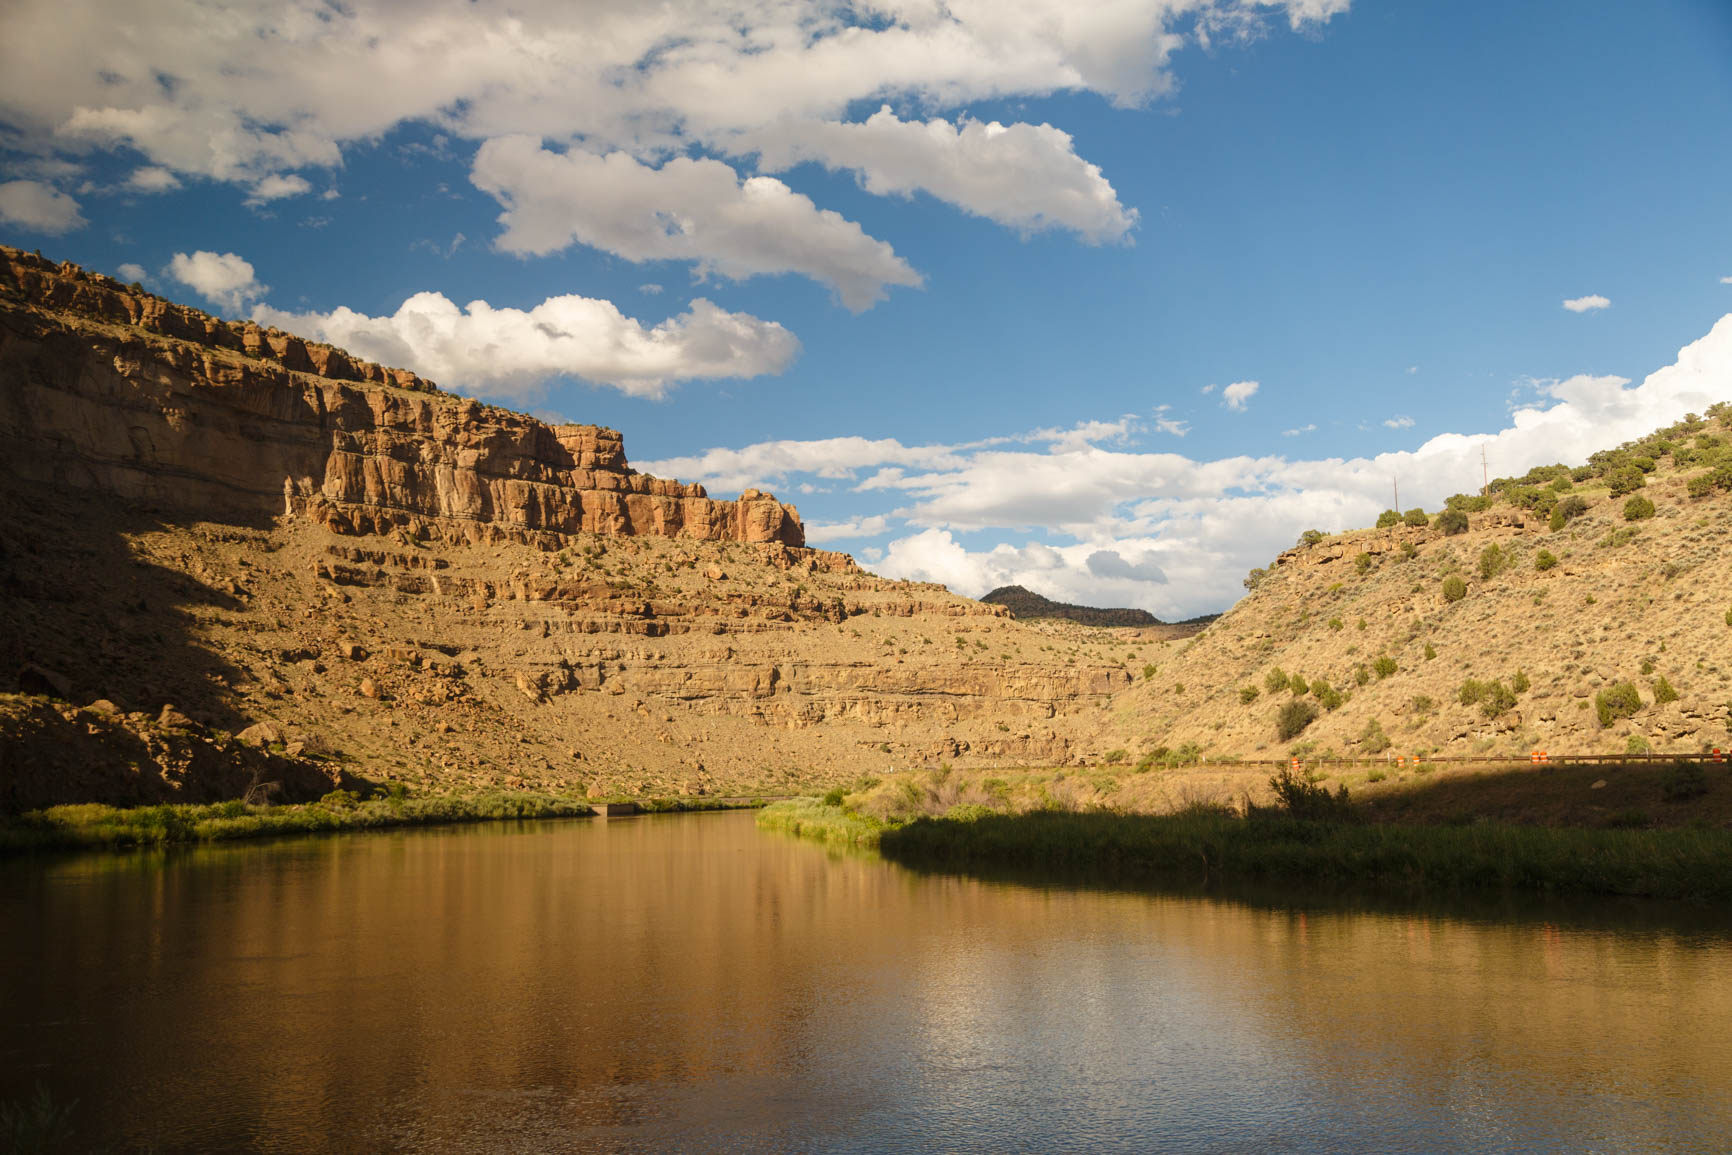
<point>684,981</point>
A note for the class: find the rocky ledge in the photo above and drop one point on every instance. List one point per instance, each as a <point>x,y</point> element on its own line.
<point>108,388</point>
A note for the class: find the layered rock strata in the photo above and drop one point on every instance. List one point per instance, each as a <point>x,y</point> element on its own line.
<point>111,389</point>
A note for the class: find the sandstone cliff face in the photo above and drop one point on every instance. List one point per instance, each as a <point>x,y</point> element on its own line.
<point>414,587</point>
<point>108,389</point>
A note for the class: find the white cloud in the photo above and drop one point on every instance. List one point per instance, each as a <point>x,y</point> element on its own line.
<point>1202,524</point>
<point>1110,563</point>
<point>223,279</point>
<point>1170,425</point>
<point>688,209</point>
<point>1207,389</point>
<point>1726,280</point>
<point>40,207</point>
<point>513,353</point>
<point>1024,176</point>
<point>649,80</point>
<point>1239,393</point>
<point>1412,369</point>
<point>1310,427</point>
<point>276,187</point>
<point>819,533</point>
<point>1587,304</point>
<point>131,272</point>
<point>152,179</point>
<point>650,289</point>
<point>1399,423</point>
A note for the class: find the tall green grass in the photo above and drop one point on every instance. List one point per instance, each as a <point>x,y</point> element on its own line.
<point>1685,864</point>
<point>810,818</point>
<point>96,825</point>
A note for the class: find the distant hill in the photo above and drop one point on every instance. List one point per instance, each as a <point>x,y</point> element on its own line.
<point>1028,604</point>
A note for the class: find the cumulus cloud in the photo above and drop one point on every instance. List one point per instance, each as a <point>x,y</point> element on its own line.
<point>726,77</point>
<point>1200,523</point>
<point>224,279</point>
<point>1399,423</point>
<point>513,353</point>
<point>1170,425</point>
<point>152,178</point>
<point>39,207</point>
<point>131,272</point>
<point>276,187</point>
<point>1109,563</point>
<point>854,528</point>
<point>1587,304</point>
<point>1726,280</point>
<point>1239,393</point>
<point>1027,177</point>
<point>688,209</point>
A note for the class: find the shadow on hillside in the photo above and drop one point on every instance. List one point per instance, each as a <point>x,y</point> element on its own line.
<point>1634,795</point>
<point>88,616</point>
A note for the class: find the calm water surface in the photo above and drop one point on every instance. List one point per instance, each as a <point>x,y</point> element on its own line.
<point>685,982</point>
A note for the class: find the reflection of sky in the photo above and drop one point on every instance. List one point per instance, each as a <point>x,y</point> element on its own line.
<point>689,983</point>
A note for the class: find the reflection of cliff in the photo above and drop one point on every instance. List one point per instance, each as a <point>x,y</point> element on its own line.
<point>664,979</point>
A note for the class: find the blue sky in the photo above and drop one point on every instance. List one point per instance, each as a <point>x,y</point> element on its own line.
<point>983,290</point>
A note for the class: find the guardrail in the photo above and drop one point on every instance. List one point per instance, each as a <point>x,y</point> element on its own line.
<point>1533,758</point>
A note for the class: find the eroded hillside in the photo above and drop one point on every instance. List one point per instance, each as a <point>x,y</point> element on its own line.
<point>340,566</point>
<point>1371,631</point>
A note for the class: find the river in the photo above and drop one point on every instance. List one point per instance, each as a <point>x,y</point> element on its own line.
<point>687,982</point>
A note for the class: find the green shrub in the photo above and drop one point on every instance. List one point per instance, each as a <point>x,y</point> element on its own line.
<point>1292,718</point>
<point>1454,589</point>
<point>1409,551</point>
<point>1335,623</point>
<point>1372,739</point>
<point>1361,675</point>
<point>1423,704</point>
<point>1328,695</point>
<point>1452,522</point>
<point>1430,652</point>
<point>1362,563</point>
<point>1113,758</point>
<point>1312,537</point>
<point>1297,685</point>
<point>1520,683</point>
<point>1496,699</point>
<point>1416,518</point>
<point>1614,702</point>
<point>1302,796</point>
<point>1275,680</point>
<point>1567,511</point>
<point>1149,672</point>
<point>1638,508</point>
<point>1388,518</point>
<point>1492,561</point>
<point>1255,577</point>
<point>1664,691</point>
<point>1636,745</point>
<point>1700,486</point>
<point>1544,560</point>
<point>1384,666</point>
<point>1247,695</point>
<point>1682,782</point>
<point>1625,479</point>
<point>835,796</point>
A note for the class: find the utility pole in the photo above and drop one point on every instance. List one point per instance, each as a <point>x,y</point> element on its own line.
<point>1395,480</point>
<point>1484,473</point>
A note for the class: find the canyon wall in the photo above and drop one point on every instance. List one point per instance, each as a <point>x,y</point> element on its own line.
<point>112,389</point>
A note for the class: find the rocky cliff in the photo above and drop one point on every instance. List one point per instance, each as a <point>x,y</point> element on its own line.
<point>117,391</point>
<point>230,557</point>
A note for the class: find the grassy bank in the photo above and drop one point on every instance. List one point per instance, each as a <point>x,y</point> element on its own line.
<point>93,825</point>
<point>821,822</point>
<point>1683,864</point>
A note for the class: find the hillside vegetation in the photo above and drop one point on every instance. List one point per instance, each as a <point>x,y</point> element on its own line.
<point>1584,609</point>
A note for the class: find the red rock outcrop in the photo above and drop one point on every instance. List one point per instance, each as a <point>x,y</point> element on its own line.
<point>112,389</point>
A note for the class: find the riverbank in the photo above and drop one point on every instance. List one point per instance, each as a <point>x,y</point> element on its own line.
<point>1689,864</point>
<point>95,826</point>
